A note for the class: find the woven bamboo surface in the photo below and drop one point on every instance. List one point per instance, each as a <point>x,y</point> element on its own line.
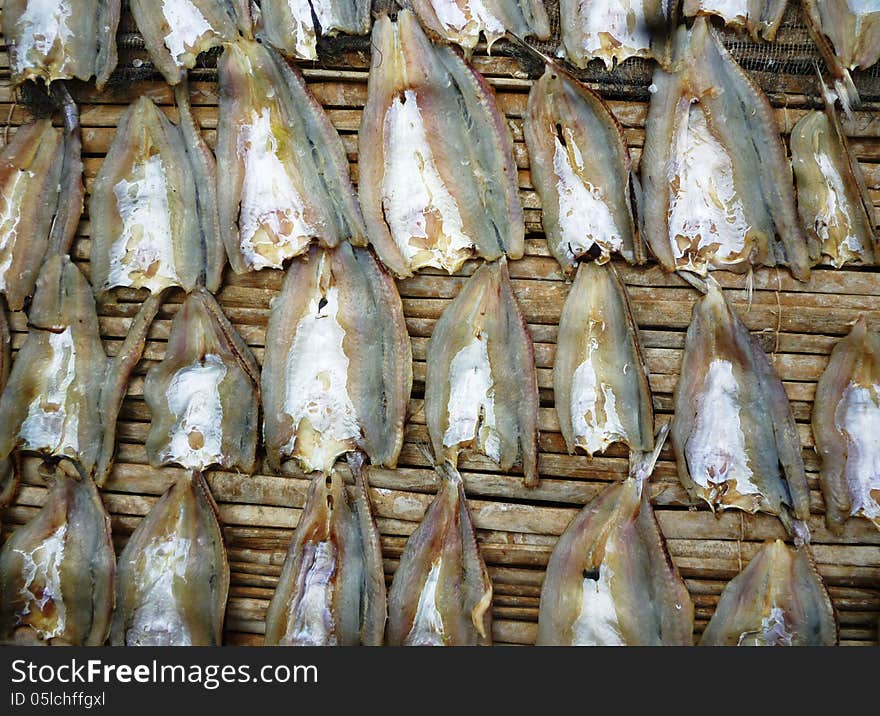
<point>798,324</point>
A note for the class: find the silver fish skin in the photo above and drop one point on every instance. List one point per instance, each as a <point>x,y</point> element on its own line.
<point>289,25</point>
<point>847,34</point>
<point>760,18</point>
<point>779,599</point>
<point>461,22</point>
<point>146,231</point>
<point>481,387</point>
<point>173,575</point>
<point>846,414</point>
<point>438,182</point>
<point>833,200</point>
<point>600,383</point>
<point>286,178</point>
<point>615,30</point>
<point>53,40</point>
<point>610,580</point>
<point>337,373</point>
<point>718,187</point>
<point>176,32</point>
<point>441,594</point>
<point>57,571</point>
<point>204,396</point>
<point>332,587</point>
<point>735,440</point>
<point>582,171</point>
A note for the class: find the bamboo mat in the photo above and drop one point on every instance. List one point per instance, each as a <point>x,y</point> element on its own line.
<point>797,323</point>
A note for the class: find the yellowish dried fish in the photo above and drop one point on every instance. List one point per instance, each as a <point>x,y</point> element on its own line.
<point>337,372</point>
<point>599,379</point>
<point>481,387</point>
<point>718,190</point>
<point>438,182</point>
<point>846,419</point>
<point>441,594</point>
<point>204,397</point>
<point>176,32</point>
<point>610,580</point>
<point>735,440</point>
<point>760,18</point>
<point>173,575</point>
<point>615,30</point>
<point>285,172</point>
<point>332,587</point>
<point>463,21</point>
<point>53,40</point>
<point>833,200</point>
<point>293,26</point>
<point>582,171</point>
<point>57,572</point>
<point>777,600</point>
<point>8,475</point>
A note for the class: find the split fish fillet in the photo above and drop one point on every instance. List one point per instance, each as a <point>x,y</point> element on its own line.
<point>204,397</point>
<point>61,39</point>
<point>176,32</point>
<point>615,30</point>
<point>285,173</point>
<point>760,18</point>
<point>833,200</point>
<point>441,594</point>
<point>57,571</point>
<point>610,580</point>
<point>337,372</point>
<point>481,388</point>
<point>582,171</point>
<point>718,189</point>
<point>599,379</point>
<point>438,182</point>
<point>777,600</point>
<point>735,440</point>
<point>463,21</point>
<point>846,418</point>
<point>290,25</point>
<point>847,33</point>
<point>173,575</point>
<point>332,587</point>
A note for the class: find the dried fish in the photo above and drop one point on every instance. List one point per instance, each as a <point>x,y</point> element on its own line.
<point>290,25</point>
<point>176,32</point>
<point>615,30</point>
<point>847,33</point>
<point>337,372</point>
<point>53,40</point>
<point>332,587</point>
<point>173,575</point>
<point>462,21</point>
<point>481,388</point>
<point>41,199</point>
<point>610,580</point>
<point>760,18</point>
<point>204,397</point>
<point>846,417</point>
<point>438,183</point>
<point>8,475</point>
<point>441,594</point>
<point>777,600</point>
<point>286,178</point>
<point>582,171</point>
<point>718,189</point>
<point>833,198</point>
<point>599,377</point>
<point>145,223</point>
<point>735,440</point>
<point>56,572</point>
